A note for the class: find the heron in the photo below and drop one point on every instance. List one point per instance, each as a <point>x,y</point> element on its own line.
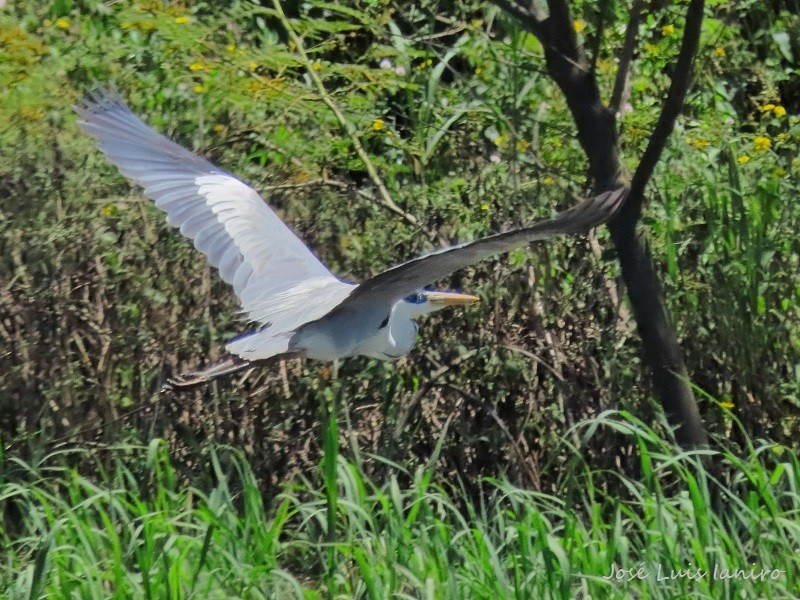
<point>301,308</point>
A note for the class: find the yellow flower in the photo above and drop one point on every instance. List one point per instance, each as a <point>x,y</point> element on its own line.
<point>198,89</point>
<point>605,65</point>
<point>650,48</point>
<point>779,111</point>
<point>726,404</point>
<point>109,210</point>
<point>668,30</point>
<point>523,145</point>
<point>478,70</point>
<point>30,114</point>
<point>182,20</point>
<point>548,181</point>
<point>252,65</point>
<point>197,66</point>
<point>761,142</point>
<point>219,127</point>
<point>767,107</point>
<point>316,65</point>
<point>743,159</point>
<point>62,23</point>
<point>484,206</point>
<point>499,140</point>
<point>719,51</point>
<point>476,23</point>
<point>699,143</point>
<point>378,124</point>
<point>230,47</point>
<point>578,25</point>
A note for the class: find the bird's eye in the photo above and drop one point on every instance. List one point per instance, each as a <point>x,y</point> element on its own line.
<point>416,298</point>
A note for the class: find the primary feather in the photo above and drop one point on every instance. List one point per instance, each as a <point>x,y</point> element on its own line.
<point>272,272</point>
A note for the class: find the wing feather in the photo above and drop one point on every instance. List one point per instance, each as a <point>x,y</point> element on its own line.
<point>227,220</point>
<point>397,282</point>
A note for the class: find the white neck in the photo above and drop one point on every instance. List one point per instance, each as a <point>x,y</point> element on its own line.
<point>396,338</point>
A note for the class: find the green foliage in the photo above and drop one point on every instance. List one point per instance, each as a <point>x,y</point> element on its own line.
<point>134,533</point>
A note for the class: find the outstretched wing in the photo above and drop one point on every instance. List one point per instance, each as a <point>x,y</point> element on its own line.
<point>400,281</point>
<point>255,252</point>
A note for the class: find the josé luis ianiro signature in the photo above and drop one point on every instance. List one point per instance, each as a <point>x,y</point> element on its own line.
<point>642,571</point>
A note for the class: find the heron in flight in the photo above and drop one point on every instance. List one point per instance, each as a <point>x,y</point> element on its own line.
<point>303,309</point>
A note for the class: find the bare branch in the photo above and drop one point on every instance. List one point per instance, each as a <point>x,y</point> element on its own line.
<point>626,56</point>
<point>523,15</point>
<point>600,27</point>
<point>542,29</point>
<point>682,75</point>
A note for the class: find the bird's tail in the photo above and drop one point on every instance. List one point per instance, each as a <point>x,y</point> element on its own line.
<point>230,364</point>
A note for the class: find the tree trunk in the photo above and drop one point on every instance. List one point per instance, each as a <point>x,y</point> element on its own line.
<point>597,133</point>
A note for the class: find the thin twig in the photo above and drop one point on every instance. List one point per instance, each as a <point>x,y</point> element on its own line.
<point>386,198</point>
<point>600,29</point>
<point>294,186</point>
<point>621,308</point>
<point>535,358</point>
<point>425,388</point>
<point>440,34</point>
<point>481,405</point>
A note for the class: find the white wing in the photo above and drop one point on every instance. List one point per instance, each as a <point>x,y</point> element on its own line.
<point>276,277</point>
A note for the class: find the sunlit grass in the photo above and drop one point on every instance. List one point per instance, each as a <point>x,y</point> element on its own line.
<point>131,531</point>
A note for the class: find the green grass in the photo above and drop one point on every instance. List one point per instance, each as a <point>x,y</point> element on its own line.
<point>130,531</point>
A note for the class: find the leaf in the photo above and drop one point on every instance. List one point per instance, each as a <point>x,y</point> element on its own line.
<point>61,8</point>
<point>358,15</point>
<point>783,41</point>
<point>438,133</point>
<point>41,564</point>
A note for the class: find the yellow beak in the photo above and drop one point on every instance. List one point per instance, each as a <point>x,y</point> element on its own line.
<point>443,299</point>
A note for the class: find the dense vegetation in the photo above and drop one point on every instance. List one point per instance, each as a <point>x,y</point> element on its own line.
<point>135,533</point>
<point>466,135</point>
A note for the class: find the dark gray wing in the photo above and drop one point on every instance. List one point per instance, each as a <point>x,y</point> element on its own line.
<point>400,281</point>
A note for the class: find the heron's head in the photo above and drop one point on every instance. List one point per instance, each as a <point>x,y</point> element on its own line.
<point>425,302</point>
